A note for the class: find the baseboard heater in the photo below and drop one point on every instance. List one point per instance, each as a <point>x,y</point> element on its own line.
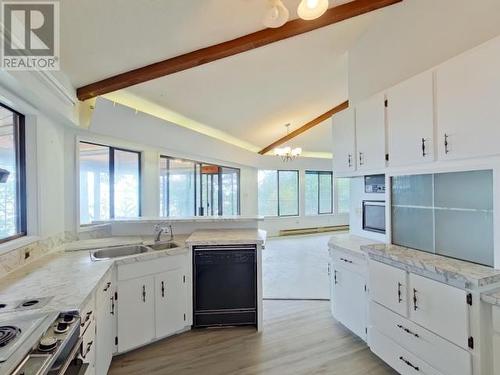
<point>336,228</point>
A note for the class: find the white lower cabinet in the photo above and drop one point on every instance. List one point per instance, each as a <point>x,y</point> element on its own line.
<point>170,302</point>
<point>136,313</point>
<point>348,291</point>
<point>388,286</point>
<point>446,357</point>
<point>403,361</point>
<point>152,300</point>
<point>441,308</point>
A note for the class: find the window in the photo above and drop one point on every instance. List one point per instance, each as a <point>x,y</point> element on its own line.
<point>109,183</point>
<point>190,188</point>
<point>278,193</point>
<point>12,175</point>
<point>343,186</point>
<point>319,193</point>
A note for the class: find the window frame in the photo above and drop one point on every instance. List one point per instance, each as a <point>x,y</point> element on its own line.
<point>111,168</point>
<point>318,174</point>
<point>197,169</point>
<point>278,208</point>
<point>21,197</point>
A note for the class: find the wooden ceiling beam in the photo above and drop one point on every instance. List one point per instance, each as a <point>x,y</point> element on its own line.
<point>230,48</point>
<point>318,120</point>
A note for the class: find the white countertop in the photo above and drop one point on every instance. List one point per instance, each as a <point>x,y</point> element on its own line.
<point>458,273</point>
<point>227,237</point>
<point>350,242</point>
<point>191,219</point>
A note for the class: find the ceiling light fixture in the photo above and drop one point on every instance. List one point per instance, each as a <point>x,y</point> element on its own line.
<point>312,9</point>
<point>287,153</point>
<point>276,15</point>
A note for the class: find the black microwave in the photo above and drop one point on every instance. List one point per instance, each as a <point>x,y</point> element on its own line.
<point>374,216</point>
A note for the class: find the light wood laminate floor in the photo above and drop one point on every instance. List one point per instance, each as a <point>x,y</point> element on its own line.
<point>299,337</point>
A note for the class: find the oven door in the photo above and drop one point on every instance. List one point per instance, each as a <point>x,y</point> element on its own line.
<point>374,216</point>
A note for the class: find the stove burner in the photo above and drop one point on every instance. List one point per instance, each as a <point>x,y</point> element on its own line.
<point>30,303</point>
<point>7,334</point>
<point>61,327</point>
<point>68,318</point>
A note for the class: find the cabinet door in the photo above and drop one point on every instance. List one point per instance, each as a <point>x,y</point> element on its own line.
<point>370,133</point>
<point>136,315</point>
<point>343,130</point>
<point>170,302</point>
<point>410,121</point>
<point>440,308</point>
<point>388,286</point>
<point>105,332</point>
<point>349,300</point>
<point>468,103</point>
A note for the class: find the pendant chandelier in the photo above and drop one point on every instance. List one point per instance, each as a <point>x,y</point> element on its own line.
<point>277,14</point>
<point>287,153</point>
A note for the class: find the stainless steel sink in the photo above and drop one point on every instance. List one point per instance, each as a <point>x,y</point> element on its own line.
<point>164,246</point>
<point>119,251</point>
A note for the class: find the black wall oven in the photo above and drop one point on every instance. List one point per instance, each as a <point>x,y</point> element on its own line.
<point>374,216</point>
<point>225,285</point>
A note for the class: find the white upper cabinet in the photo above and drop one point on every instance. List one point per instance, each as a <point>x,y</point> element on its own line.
<point>410,119</point>
<point>468,103</point>
<point>344,152</point>
<point>370,133</point>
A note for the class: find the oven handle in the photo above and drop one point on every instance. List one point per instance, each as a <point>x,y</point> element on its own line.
<point>72,355</point>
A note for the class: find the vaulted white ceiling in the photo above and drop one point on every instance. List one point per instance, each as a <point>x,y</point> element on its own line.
<point>250,96</point>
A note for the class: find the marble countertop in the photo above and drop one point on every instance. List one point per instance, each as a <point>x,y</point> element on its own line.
<point>227,237</point>
<point>349,242</point>
<point>458,273</point>
<point>492,297</point>
<point>192,219</point>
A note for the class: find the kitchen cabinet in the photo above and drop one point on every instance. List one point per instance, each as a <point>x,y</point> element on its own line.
<point>349,299</point>
<point>88,331</point>
<point>388,286</point>
<point>344,151</point>
<point>370,134</point>
<point>170,302</point>
<point>468,104</point>
<point>410,121</point>
<point>440,308</point>
<point>136,313</point>
<point>105,326</point>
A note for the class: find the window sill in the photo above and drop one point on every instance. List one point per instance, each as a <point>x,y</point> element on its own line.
<point>17,243</point>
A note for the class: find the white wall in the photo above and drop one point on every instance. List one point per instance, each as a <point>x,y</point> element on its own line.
<point>415,35</point>
<point>357,196</point>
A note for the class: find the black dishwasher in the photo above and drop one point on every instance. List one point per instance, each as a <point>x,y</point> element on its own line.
<point>225,285</point>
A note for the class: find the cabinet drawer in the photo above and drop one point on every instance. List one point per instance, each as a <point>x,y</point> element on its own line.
<point>151,267</point>
<point>398,358</point>
<point>440,308</point>
<point>350,262</point>
<point>439,353</point>
<point>388,286</point>
<point>87,315</point>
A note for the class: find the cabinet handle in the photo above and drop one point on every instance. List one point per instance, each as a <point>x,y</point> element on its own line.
<point>346,260</point>
<point>335,276</point>
<point>361,158</point>
<point>329,273</point>
<point>144,293</point>
<point>162,289</point>
<point>112,306</point>
<point>424,154</point>
<point>349,160</point>
<point>108,285</point>
<point>415,300</point>
<point>416,368</point>
<point>87,318</point>
<point>408,331</point>
<point>399,293</point>
<point>446,143</point>
<point>87,351</point>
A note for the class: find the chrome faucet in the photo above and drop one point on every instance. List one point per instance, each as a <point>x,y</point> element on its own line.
<point>159,229</point>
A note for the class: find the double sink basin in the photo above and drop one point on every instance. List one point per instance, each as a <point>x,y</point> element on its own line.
<point>128,250</point>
